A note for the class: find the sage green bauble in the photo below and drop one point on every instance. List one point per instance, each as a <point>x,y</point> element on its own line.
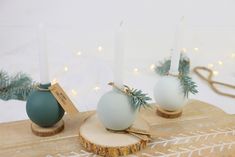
<point>115,110</point>
<point>42,107</point>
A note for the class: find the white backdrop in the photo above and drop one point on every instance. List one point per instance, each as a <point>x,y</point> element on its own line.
<point>83,26</point>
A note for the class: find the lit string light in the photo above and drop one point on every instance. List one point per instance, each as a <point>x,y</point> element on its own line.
<point>152,67</point>
<point>220,63</point>
<point>196,49</point>
<point>233,55</point>
<point>66,68</point>
<point>215,72</point>
<point>210,66</point>
<point>184,50</point>
<point>74,92</point>
<point>136,70</point>
<point>96,88</point>
<point>54,81</point>
<point>79,53</point>
<point>100,48</point>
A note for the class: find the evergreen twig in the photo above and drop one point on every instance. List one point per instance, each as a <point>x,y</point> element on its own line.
<point>186,82</point>
<point>188,85</point>
<point>138,98</point>
<point>17,87</point>
<point>184,66</point>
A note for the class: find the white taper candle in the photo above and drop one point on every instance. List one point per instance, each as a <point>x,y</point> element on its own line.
<point>42,50</point>
<point>119,55</point>
<point>175,54</point>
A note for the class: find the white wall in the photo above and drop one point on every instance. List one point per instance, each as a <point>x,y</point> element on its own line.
<point>82,25</point>
<point>76,25</point>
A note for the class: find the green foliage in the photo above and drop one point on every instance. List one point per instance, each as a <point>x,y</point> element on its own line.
<point>184,66</point>
<point>138,98</point>
<point>163,68</point>
<point>17,87</point>
<point>188,85</point>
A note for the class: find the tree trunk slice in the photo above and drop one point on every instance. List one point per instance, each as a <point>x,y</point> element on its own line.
<point>168,114</point>
<point>50,131</point>
<point>95,138</point>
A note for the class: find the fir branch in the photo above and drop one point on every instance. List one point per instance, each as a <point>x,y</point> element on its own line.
<point>164,67</point>
<point>186,82</point>
<point>184,66</point>
<point>138,98</point>
<point>188,85</point>
<point>15,87</point>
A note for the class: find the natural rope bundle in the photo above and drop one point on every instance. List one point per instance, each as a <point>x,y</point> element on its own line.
<point>124,90</point>
<point>212,83</point>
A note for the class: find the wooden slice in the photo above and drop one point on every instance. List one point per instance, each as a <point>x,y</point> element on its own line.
<point>50,131</point>
<point>168,114</point>
<point>95,138</point>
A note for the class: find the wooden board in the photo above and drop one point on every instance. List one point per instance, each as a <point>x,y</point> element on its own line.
<point>49,131</point>
<point>97,139</point>
<point>202,130</point>
<point>168,114</point>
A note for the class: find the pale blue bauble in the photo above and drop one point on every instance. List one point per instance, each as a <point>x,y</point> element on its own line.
<point>169,94</point>
<point>115,111</point>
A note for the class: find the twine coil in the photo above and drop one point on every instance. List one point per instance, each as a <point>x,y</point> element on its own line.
<point>126,90</point>
<point>212,83</point>
<point>42,89</point>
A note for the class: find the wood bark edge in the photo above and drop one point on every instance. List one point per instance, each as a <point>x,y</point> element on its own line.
<point>43,132</point>
<point>112,151</point>
<point>168,114</point>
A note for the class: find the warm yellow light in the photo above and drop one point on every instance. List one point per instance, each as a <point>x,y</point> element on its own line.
<point>136,70</point>
<point>184,50</point>
<point>74,92</point>
<point>96,88</point>
<point>66,68</point>
<point>220,63</point>
<point>54,81</point>
<point>233,55</point>
<point>215,73</point>
<point>196,49</point>
<point>152,67</point>
<point>100,48</point>
<point>210,65</point>
<point>79,53</point>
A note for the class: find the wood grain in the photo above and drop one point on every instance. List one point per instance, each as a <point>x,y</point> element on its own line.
<point>96,138</point>
<point>202,130</point>
<point>168,114</point>
<point>49,131</point>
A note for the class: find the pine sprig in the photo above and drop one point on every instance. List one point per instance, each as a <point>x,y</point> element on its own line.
<point>188,85</point>
<point>184,66</point>
<point>186,82</point>
<point>163,68</point>
<point>138,98</point>
<point>15,87</point>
